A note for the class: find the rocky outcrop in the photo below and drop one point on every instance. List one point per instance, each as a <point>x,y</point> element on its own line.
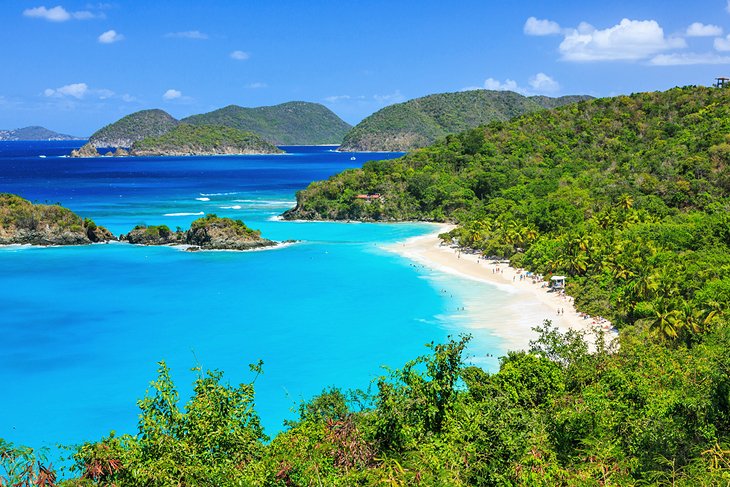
<point>154,235</point>
<point>86,150</point>
<point>208,233</point>
<point>22,222</point>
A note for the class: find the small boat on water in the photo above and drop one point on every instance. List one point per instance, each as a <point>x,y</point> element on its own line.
<point>352,158</point>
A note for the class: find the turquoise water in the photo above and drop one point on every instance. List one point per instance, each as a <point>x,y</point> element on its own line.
<point>84,327</point>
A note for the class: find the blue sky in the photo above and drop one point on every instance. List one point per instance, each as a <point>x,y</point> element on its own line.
<point>75,66</point>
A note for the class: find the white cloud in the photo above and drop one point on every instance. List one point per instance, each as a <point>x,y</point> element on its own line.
<point>55,14</point>
<point>630,40</point>
<point>389,99</point>
<point>257,85</point>
<point>688,59</point>
<point>188,34</point>
<point>59,14</point>
<point>103,93</point>
<point>540,27</point>
<point>240,55</point>
<point>127,98</point>
<point>339,98</point>
<point>542,83</point>
<point>698,29</point>
<point>722,43</point>
<point>83,15</point>
<point>82,91</point>
<point>75,90</point>
<point>110,37</point>
<point>171,95</point>
<point>507,85</point>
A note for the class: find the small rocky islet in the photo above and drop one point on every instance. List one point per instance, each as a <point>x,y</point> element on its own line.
<point>208,233</point>
<point>26,223</point>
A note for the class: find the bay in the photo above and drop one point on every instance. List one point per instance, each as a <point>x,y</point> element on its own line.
<point>82,328</point>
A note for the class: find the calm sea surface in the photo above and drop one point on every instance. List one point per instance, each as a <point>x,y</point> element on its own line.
<point>82,328</point>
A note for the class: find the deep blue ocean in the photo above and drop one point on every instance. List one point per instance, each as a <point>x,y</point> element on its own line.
<point>82,328</point>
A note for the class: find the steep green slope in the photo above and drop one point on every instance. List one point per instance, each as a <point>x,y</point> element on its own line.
<point>186,139</point>
<point>421,121</point>
<point>292,123</point>
<point>136,126</point>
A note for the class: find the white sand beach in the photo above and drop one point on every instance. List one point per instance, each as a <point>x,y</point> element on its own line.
<point>529,302</point>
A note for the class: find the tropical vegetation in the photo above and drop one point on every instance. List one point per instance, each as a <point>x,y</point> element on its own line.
<point>627,196</point>
<point>133,127</point>
<point>203,140</point>
<point>291,123</point>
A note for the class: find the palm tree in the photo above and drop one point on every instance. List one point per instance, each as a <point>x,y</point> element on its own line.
<point>626,202</point>
<point>665,322</point>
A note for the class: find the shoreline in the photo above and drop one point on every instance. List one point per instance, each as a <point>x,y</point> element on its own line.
<point>528,302</point>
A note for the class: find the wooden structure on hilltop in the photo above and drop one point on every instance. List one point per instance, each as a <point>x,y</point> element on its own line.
<point>721,82</point>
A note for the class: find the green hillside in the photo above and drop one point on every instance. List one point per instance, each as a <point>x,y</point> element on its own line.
<point>186,139</point>
<point>136,126</point>
<point>292,123</point>
<point>419,122</point>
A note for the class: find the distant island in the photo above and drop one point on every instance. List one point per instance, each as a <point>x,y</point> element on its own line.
<point>34,133</point>
<point>293,123</point>
<point>419,122</point>
<point>208,233</point>
<point>190,140</point>
<point>22,222</point>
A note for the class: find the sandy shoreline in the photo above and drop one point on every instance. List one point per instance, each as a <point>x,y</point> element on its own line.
<point>529,302</point>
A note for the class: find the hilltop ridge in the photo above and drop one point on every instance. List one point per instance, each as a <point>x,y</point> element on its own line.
<point>291,123</point>
<point>421,121</point>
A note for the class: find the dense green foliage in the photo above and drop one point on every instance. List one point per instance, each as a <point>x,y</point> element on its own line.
<point>560,413</point>
<point>203,140</point>
<point>213,220</point>
<point>136,126</point>
<point>421,121</point>
<point>23,222</point>
<point>292,123</point>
